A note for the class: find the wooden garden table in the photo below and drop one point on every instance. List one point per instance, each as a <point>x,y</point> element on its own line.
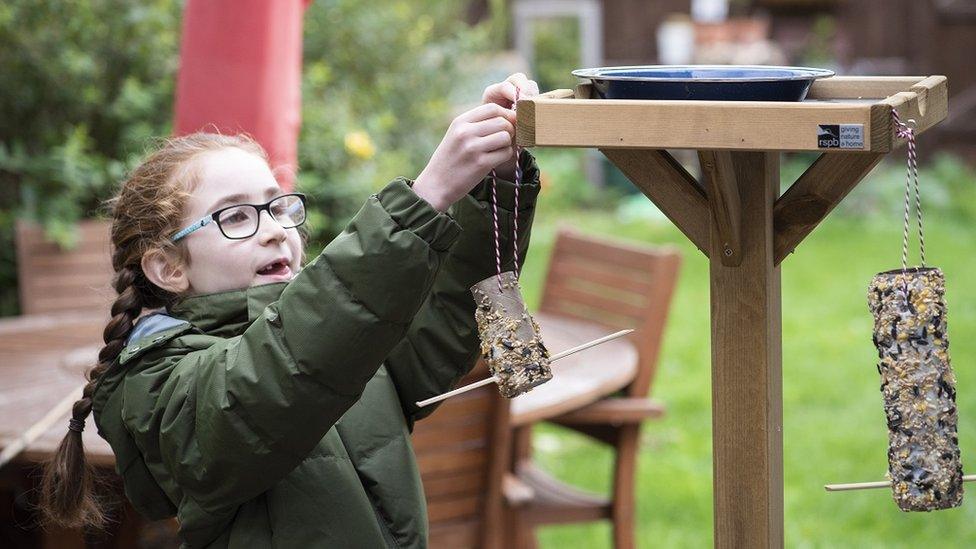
<point>42,358</point>
<point>737,218</point>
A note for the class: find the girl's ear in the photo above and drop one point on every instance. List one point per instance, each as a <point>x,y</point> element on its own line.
<point>164,272</point>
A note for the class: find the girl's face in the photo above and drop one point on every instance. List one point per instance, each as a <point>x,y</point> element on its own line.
<point>227,177</point>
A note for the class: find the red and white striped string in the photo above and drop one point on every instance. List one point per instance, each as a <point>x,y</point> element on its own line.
<point>904,131</point>
<point>494,206</point>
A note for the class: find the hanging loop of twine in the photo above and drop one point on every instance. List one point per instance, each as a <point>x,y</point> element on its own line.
<point>494,208</point>
<point>905,130</point>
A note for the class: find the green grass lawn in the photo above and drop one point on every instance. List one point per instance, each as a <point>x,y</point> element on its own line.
<point>834,428</point>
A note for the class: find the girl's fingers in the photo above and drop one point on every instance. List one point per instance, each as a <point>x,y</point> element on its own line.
<point>496,141</point>
<point>492,125</point>
<point>484,112</point>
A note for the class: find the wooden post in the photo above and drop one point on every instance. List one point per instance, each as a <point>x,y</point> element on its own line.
<point>747,405</point>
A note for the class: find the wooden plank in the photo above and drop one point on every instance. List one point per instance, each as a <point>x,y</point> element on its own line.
<point>558,121</point>
<point>620,254</point>
<point>609,275</point>
<point>438,423</point>
<point>814,194</point>
<point>465,482</point>
<point>76,260</point>
<point>50,279</point>
<point>672,189</point>
<point>452,509</point>
<point>579,311</point>
<point>525,121</point>
<point>70,321</point>
<point>926,102</point>
<point>614,411</point>
<point>452,461</point>
<point>860,87</point>
<point>455,534</point>
<point>458,410</point>
<point>727,125</point>
<point>747,415</point>
<point>62,303</point>
<point>450,436</point>
<point>85,245</point>
<point>599,285</point>
<point>560,290</point>
<point>718,177</point>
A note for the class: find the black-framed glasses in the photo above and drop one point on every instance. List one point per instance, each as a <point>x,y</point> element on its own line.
<point>242,220</point>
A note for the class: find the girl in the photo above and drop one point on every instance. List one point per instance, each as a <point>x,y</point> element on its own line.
<point>268,408</point>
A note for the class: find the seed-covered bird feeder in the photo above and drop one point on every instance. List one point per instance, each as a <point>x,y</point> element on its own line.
<point>736,216</point>
<point>917,383</point>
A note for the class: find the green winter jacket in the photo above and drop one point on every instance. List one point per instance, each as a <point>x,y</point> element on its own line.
<point>280,415</point>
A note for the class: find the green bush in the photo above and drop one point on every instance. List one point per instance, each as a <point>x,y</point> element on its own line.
<point>378,89</point>
<point>85,83</point>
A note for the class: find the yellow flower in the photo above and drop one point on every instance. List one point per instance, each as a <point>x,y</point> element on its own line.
<point>360,145</point>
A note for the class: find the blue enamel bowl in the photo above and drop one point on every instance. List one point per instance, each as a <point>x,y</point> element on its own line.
<point>703,82</point>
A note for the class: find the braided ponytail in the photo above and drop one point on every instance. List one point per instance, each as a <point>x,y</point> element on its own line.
<point>148,208</point>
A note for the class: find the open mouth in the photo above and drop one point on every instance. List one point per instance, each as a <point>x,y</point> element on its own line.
<point>278,268</point>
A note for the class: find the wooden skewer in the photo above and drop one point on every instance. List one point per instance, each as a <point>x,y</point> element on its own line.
<point>494,379</point>
<point>32,433</point>
<point>879,484</point>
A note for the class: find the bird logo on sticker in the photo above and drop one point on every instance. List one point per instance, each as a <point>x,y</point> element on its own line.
<point>828,136</point>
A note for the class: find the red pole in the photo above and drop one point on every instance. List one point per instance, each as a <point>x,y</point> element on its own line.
<point>240,71</point>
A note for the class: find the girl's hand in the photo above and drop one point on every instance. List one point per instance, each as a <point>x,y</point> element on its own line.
<point>476,141</point>
<point>503,93</point>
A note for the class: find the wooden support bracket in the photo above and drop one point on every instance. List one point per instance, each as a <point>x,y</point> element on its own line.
<point>808,201</point>
<point>718,177</point>
<point>663,180</point>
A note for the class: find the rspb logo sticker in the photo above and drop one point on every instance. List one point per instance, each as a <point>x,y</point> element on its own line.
<point>840,136</point>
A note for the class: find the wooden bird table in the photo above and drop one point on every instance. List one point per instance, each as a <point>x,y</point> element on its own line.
<point>737,218</point>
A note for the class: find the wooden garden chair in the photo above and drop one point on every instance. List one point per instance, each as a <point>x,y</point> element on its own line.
<point>619,286</point>
<point>463,450</point>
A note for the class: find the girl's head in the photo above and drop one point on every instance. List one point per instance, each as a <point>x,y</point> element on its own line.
<point>225,255</point>
<point>183,181</point>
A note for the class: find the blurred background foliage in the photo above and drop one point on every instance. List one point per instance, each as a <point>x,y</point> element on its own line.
<point>88,84</point>
<point>378,93</point>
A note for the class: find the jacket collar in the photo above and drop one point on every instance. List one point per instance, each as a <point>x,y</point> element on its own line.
<point>229,313</point>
